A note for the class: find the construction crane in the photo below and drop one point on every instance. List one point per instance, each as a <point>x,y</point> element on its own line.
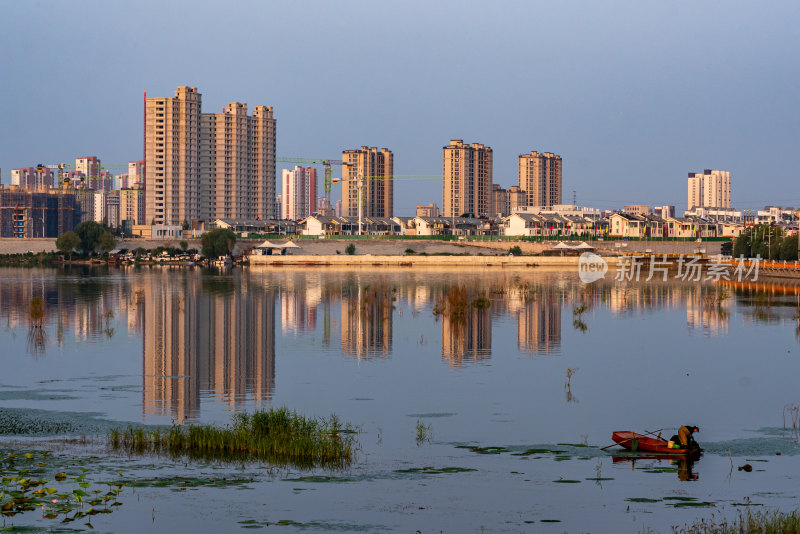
<point>326,165</point>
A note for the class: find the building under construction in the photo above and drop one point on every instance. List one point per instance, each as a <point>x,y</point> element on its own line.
<point>28,214</point>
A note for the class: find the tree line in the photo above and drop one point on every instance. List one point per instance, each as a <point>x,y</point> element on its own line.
<point>769,242</point>
<point>89,238</point>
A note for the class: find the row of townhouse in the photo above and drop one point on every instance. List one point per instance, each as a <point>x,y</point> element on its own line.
<point>416,226</point>
<point>522,224</point>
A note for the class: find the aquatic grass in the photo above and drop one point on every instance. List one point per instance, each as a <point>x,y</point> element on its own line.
<point>277,436</point>
<point>760,522</point>
<point>424,432</point>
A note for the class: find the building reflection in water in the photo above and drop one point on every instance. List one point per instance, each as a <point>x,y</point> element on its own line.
<point>366,320</point>
<point>539,323</point>
<point>206,337</point>
<point>468,336</point>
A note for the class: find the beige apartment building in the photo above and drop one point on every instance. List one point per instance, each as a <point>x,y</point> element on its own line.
<point>373,170</point>
<point>237,163</point>
<point>431,210</point>
<point>131,205</point>
<point>206,166</point>
<point>711,189</point>
<point>636,209</point>
<point>504,202</point>
<point>466,179</point>
<point>540,178</point>
<point>172,167</point>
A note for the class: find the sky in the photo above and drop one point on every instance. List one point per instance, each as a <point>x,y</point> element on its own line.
<point>632,94</point>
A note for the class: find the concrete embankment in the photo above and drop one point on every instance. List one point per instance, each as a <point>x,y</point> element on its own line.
<point>389,247</point>
<point>418,261</point>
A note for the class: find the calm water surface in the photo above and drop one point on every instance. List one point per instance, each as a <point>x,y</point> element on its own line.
<point>383,349</point>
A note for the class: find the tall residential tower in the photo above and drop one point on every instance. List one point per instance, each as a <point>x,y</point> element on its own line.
<point>298,193</point>
<point>466,179</point>
<point>172,146</point>
<point>711,189</point>
<point>237,163</point>
<point>373,170</point>
<point>540,178</point>
<point>206,166</point>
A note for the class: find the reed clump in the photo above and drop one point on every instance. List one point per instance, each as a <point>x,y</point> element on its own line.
<point>761,522</point>
<point>277,436</point>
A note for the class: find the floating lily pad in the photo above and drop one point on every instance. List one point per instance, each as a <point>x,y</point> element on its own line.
<point>642,499</point>
<point>435,471</point>
<point>484,450</point>
<point>698,504</point>
<point>317,479</point>
<point>531,451</point>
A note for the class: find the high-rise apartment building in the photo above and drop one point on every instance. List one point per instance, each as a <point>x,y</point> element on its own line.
<point>431,210</point>
<point>540,178</point>
<point>711,189</point>
<point>237,163</point>
<point>93,176</point>
<point>107,208</point>
<point>172,166</point>
<point>135,173</point>
<point>371,170</point>
<point>636,209</point>
<point>466,179</point>
<point>298,193</point>
<point>504,202</point>
<point>131,206</point>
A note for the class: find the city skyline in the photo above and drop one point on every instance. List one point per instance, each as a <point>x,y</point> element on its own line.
<point>605,96</point>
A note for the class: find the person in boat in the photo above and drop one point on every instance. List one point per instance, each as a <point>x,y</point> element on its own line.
<point>685,437</point>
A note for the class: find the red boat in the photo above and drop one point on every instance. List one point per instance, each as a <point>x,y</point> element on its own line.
<point>639,442</point>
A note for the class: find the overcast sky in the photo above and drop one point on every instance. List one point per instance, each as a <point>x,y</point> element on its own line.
<point>633,95</point>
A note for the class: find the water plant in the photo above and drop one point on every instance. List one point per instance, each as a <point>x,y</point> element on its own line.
<point>424,432</point>
<point>457,302</point>
<point>278,436</point>
<point>66,497</point>
<point>762,522</point>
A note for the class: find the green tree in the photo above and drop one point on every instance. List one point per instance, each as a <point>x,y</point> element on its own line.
<point>350,249</point>
<point>218,242</point>
<point>789,248</point>
<point>515,251</point>
<point>106,242</point>
<point>184,245</point>
<point>741,246</point>
<point>67,243</point>
<point>89,233</point>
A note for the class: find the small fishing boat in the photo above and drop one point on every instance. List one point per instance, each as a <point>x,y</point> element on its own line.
<point>639,442</point>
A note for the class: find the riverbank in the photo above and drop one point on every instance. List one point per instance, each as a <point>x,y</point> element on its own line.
<point>394,247</point>
<point>418,261</point>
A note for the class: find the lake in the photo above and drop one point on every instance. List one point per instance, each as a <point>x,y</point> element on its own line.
<point>515,379</point>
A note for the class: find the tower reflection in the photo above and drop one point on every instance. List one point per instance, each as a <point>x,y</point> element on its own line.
<point>206,336</point>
